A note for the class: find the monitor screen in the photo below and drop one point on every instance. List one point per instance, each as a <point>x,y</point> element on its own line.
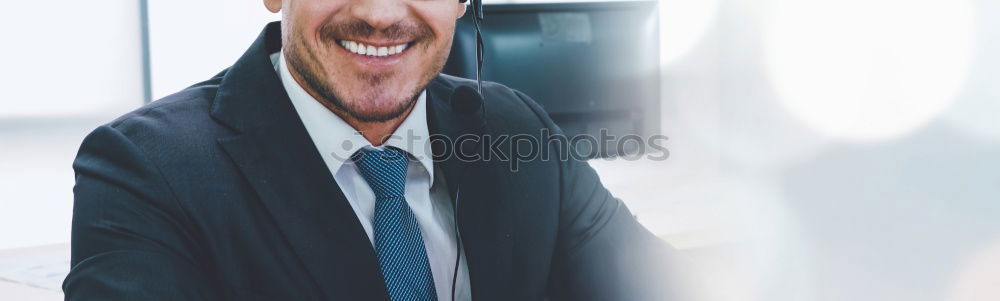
<point>591,65</point>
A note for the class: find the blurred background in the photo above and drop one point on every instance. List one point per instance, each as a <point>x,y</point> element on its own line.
<point>819,149</point>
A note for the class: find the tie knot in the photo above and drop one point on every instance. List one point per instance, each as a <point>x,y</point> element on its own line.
<point>384,170</point>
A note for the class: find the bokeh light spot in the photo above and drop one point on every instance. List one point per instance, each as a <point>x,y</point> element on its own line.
<point>868,69</point>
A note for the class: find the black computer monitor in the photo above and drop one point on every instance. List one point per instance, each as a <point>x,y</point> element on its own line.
<point>591,65</point>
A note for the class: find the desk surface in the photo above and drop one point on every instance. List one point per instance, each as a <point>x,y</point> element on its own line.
<point>34,273</point>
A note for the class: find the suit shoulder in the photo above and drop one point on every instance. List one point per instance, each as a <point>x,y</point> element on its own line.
<point>174,120</point>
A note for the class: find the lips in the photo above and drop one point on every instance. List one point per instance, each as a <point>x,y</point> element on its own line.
<point>371,50</point>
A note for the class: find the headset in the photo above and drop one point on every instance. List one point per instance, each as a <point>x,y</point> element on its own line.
<point>477,16</point>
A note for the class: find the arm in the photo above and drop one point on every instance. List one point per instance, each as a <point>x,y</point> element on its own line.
<point>129,239</point>
<point>603,253</point>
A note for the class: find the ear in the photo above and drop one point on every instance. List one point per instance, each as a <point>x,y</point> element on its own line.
<point>273,6</point>
<point>462,7</point>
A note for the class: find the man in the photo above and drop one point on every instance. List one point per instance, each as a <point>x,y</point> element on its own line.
<point>306,172</point>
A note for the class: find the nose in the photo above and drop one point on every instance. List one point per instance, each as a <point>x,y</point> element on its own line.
<point>380,14</point>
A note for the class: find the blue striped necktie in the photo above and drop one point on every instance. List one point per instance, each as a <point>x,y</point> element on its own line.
<point>398,243</point>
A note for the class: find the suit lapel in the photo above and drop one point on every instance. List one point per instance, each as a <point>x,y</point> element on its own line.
<point>483,217</point>
<point>278,158</point>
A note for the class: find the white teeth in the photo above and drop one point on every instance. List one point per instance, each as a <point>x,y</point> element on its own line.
<point>370,50</point>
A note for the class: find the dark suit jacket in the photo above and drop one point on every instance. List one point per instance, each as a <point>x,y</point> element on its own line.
<point>218,193</point>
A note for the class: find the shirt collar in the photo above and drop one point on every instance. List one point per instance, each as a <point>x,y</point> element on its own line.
<point>337,141</point>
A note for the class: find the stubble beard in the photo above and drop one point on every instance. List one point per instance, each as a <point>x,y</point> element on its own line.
<point>307,65</point>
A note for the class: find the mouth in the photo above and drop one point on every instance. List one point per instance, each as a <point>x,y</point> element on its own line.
<point>371,50</point>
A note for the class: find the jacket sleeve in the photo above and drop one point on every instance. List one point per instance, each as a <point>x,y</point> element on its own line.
<point>129,238</point>
<point>603,253</point>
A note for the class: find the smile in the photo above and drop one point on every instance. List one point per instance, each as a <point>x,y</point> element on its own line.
<point>370,50</point>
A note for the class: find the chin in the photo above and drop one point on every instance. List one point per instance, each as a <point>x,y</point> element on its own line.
<point>372,103</point>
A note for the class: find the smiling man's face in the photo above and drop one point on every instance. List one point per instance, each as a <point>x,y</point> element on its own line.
<point>367,59</point>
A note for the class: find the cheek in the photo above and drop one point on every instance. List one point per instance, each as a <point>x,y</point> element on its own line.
<point>309,16</point>
<point>440,16</point>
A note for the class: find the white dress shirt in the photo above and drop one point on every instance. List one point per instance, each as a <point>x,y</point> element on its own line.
<point>425,191</point>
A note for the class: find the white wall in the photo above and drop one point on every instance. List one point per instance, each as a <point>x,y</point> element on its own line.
<point>191,40</point>
<point>65,71</point>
